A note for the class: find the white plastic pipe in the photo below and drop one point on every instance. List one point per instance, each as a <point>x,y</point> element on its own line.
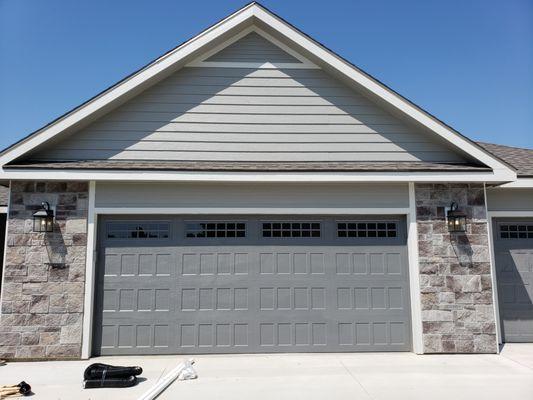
<point>163,383</point>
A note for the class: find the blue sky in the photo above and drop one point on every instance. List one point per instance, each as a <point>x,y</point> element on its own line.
<point>470,63</point>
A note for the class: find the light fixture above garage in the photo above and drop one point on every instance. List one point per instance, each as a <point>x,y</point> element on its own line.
<point>456,219</point>
<point>43,219</point>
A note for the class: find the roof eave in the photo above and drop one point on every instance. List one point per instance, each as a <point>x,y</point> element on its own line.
<point>252,177</point>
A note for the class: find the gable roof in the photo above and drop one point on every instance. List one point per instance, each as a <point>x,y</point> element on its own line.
<point>520,158</point>
<point>252,13</point>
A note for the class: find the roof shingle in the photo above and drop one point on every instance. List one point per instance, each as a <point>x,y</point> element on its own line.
<point>520,158</point>
<point>415,166</point>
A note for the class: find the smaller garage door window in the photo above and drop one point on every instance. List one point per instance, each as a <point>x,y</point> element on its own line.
<point>518,231</point>
<point>215,229</point>
<point>366,229</point>
<point>138,230</point>
<point>291,229</point>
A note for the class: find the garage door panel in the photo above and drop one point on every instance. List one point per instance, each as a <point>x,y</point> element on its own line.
<point>193,294</point>
<point>213,298</point>
<point>137,299</point>
<point>369,264</point>
<point>137,262</point>
<point>201,261</point>
<point>513,245</point>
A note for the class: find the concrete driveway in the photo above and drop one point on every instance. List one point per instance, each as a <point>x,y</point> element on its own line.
<point>303,376</point>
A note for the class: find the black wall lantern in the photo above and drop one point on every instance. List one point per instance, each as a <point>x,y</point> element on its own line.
<point>43,219</point>
<point>456,219</point>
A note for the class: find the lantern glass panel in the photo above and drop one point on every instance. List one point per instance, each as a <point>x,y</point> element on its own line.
<point>461,222</point>
<point>36,224</point>
<point>49,221</point>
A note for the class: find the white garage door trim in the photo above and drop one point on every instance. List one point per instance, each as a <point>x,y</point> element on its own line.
<point>93,212</point>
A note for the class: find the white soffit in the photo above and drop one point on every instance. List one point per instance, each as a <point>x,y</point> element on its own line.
<point>501,171</point>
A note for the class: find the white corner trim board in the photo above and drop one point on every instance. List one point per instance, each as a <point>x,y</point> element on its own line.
<point>3,270</point>
<point>251,13</point>
<point>414,273</point>
<point>90,274</point>
<point>494,283</point>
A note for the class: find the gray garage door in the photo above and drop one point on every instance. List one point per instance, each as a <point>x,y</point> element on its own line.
<point>245,284</point>
<point>513,248</point>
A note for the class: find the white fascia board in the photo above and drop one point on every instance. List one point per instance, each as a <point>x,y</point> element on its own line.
<point>121,89</point>
<point>520,183</point>
<point>384,93</point>
<point>192,176</point>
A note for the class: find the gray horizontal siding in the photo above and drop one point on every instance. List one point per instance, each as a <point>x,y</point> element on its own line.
<point>253,48</point>
<point>336,101</point>
<point>325,129</point>
<point>244,137</point>
<point>257,147</point>
<point>249,156</point>
<point>236,114</point>
<point>240,73</point>
<point>242,118</point>
<point>268,109</point>
<point>509,199</point>
<point>252,90</point>
<point>309,196</point>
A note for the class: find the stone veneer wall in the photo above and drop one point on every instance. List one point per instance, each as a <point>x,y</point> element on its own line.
<point>455,275</point>
<point>42,307</point>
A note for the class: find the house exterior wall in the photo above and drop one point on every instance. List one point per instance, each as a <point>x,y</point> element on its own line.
<point>250,114</point>
<point>42,307</point>
<point>501,199</point>
<point>455,274</point>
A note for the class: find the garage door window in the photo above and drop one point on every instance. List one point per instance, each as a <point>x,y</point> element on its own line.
<point>366,229</point>
<point>291,229</point>
<point>518,231</point>
<point>138,230</point>
<point>215,229</point>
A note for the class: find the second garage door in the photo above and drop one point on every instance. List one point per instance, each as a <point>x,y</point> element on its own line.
<point>244,284</point>
<point>513,250</point>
